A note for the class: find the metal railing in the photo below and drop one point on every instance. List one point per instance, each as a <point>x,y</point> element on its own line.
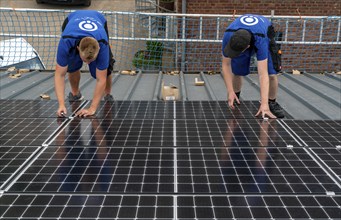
<point>191,42</point>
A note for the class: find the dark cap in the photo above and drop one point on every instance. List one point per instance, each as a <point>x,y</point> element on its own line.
<point>238,43</point>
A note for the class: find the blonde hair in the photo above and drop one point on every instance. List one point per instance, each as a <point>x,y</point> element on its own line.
<point>88,48</point>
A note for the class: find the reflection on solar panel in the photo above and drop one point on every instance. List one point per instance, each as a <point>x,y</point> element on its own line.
<point>100,170</point>
<point>11,158</point>
<point>166,160</point>
<point>232,132</point>
<point>32,108</point>
<point>251,171</point>
<point>317,133</point>
<point>135,110</point>
<point>86,206</point>
<point>332,159</point>
<point>27,131</point>
<point>117,132</point>
<point>258,207</point>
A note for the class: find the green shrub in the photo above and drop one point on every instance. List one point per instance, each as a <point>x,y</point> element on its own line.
<point>151,58</point>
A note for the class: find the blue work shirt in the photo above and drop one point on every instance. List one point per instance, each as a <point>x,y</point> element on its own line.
<point>83,23</point>
<point>258,26</point>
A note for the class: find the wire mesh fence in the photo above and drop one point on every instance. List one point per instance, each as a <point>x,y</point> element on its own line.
<point>167,42</point>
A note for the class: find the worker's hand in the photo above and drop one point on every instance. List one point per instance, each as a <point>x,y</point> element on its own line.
<point>61,112</point>
<point>231,99</point>
<point>265,111</point>
<point>85,112</point>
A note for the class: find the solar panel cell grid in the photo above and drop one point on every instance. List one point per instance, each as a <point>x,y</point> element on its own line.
<point>27,132</point>
<point>240,133</point>
<point>166,160</point>
<point>253,170</point>
<point>117,132</point>
<point>11,158</point>
<point>317,133</point>
<point>32,108</point>
<point>100,170</point>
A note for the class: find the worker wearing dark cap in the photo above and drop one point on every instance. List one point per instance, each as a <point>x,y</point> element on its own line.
<point>248,35</point>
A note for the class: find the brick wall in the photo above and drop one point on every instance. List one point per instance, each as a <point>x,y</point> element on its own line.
<point>264,7</point>
<point>311,58</point>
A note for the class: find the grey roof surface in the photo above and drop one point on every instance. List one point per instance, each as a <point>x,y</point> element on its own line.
<point>305,96</point>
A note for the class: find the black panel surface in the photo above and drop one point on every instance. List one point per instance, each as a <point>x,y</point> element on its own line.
<point>258,170</point>
<point>100,170</point>
<point>317,133</point>
<point>331,158</point>
<point>35,206</point>
<point>27,131</point>
<point>217,110</point>
<point>259,207</point>
<point>135,110</point>
<point>33,108</point>
<point>166,160</point>
<point>117,132</point>
<point>11,158</point>
<point>232,132</point>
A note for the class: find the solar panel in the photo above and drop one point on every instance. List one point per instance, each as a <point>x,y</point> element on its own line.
<point>99,170</point>
<point>82,206</point>
<point>117,132</point>
<point>135,110</point>
<point>33,108</point>
<point>317,133</point>
<point>258,207</point>
<point>184,110</point>
<point>232,132</point>
<point>251,171</point>
<point>62,206</point>
<point>166,160</point>
<point>27,131</point>
<point>217,110</point>
<point>11,158</point>
<point>331,158</point>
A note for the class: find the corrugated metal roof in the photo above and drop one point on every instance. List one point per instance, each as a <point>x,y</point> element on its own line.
<point>305,96</point>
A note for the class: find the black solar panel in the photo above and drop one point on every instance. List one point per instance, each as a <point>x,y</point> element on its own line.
<point>184,110</point>
<point>135,110</point>
<point>53,206</point>
<point>232,132</point>
<point>27,131</point>
<point>11,159</point>
<point>166,160</point>
<point>258,207</point>
<point>251,171</point>
<point>217,110</point>
<point>99,170</point>
<point>331,158</point>
<point>61,206</point>
<point>117,132</point>
<point>317,133</point>
<point>33,108</point>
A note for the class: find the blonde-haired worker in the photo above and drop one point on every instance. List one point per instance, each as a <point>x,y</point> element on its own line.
<point>84,39</point>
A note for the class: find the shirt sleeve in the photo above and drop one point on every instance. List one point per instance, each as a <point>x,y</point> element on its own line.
<point>62,53</point>
<point>262,45</point>
<point>102,60</point>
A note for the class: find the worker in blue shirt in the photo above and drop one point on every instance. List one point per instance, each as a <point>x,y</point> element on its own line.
<point>84,39</point>
<point>248,35</point>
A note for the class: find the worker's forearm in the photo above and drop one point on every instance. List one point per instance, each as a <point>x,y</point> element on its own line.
<point>264,87</point>
<point>227,74</point>
<point>98,93</point>
<point>59,82</point>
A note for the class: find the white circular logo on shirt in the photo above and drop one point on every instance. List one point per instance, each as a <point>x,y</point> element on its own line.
<point>88,26</point>
<point>249,20</point>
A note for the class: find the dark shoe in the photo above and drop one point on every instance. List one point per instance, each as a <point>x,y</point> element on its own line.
<point>108,98</point>
<point>276,109</point>
<point>73,98</point>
